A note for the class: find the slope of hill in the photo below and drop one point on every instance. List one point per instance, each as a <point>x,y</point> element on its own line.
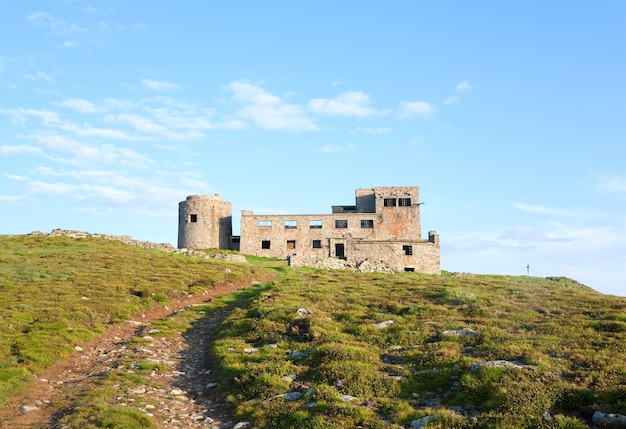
<point>58,292</point>
<point>333,349</point>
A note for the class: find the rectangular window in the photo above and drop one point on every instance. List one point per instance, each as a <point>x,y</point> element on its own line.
<point>367,223</point>
<point>265,223</point>
<point>193,218</point>
<point>389,202</point>
<point>265,244</point>
<point>317,244</point>
<point>315,224</point>
<point>291,244</point>
<point>291,224</point>
<point>341,223</point>
<point>404,202</point>
<point>409,269</point>
<point>408,250</point>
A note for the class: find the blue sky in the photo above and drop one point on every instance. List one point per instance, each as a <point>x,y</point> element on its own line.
<point>509,116</point>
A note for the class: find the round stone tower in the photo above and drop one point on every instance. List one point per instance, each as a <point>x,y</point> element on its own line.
<point>204,221</point>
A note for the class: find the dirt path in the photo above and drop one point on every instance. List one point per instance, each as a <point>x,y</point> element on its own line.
<point>181,398</point>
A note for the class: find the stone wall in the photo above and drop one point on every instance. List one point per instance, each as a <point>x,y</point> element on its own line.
<point>165,247</point>
<point>301,231</point>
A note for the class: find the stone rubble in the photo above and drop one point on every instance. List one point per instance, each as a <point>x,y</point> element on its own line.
<point>126,239</point>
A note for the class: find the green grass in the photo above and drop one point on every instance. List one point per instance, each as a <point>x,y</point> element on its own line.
<point>55,293</point>
<point>315,332</point>
<point>572,336</point>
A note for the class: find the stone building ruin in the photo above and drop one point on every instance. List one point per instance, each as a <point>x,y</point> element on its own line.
<point>381,232</point>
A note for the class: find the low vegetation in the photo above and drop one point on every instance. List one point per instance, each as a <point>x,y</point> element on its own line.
<point>324,349</point>
<point>329,349</point>
<point>57,292</point>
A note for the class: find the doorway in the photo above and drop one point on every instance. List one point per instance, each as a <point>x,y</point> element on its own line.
<point>340,250</point>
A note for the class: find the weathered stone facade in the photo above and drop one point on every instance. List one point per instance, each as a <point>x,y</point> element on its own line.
<point>205,221</point>
<point>381,232</point>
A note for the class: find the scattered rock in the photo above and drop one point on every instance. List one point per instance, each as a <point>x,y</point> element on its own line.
<point>303,312</point>
<point>384,324</point>
<point>27,409</point>
<point>298,354</point>
<point>420,423</point>
<point>501,364</point>
<point>609,420</point>
<point>465,332</point>
<point>293,396</point>
<point>395,377</point>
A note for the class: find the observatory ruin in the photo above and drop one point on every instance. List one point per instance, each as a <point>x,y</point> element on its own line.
<point>380,232</point>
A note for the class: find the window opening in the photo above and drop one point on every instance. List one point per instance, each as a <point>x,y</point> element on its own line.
<point>367,223</point>
<point>341,223</point>
<point>265,244</point>
<point>291,224</point>
<point>389,202</point>
<point>291,244</point>
<point>404,202</point>
<point>315,224</point>
<point>409,269</point>
<point>265,223</point>
<point>193,218</point>
<point>317,244</point>
<point>408,250</point>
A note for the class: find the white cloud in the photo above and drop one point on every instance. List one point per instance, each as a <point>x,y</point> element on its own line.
<point>380,130</point>
<point>451,100</point>
<point>20,115</point>
<point>59,188</point>
<point>282,117</point>
<point>411,109</point>
<point>54,25</point>
<point>247,93</point>
<point>88,131</point>
<point>139,123</point>
<point>329,148</point>
<point>16,177</point>
<point>546,210</point>
<point>350,103</point>
<point>614,185</point>
<point>268,111</point>
<point>19,149</point>
<point>10,198</point>
<point>159,85</point>
<point>554,238</point>
<point>463,86</point>
<point>80,105</point>
<point>105,194</point>
<point>41,76</point>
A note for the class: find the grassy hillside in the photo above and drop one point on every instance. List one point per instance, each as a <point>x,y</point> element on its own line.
<point>56,292</point>
<point>334,349</point>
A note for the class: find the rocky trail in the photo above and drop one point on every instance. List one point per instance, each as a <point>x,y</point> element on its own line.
<point>178,395</point>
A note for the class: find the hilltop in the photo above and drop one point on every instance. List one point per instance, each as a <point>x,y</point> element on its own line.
<point>311,348</point>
